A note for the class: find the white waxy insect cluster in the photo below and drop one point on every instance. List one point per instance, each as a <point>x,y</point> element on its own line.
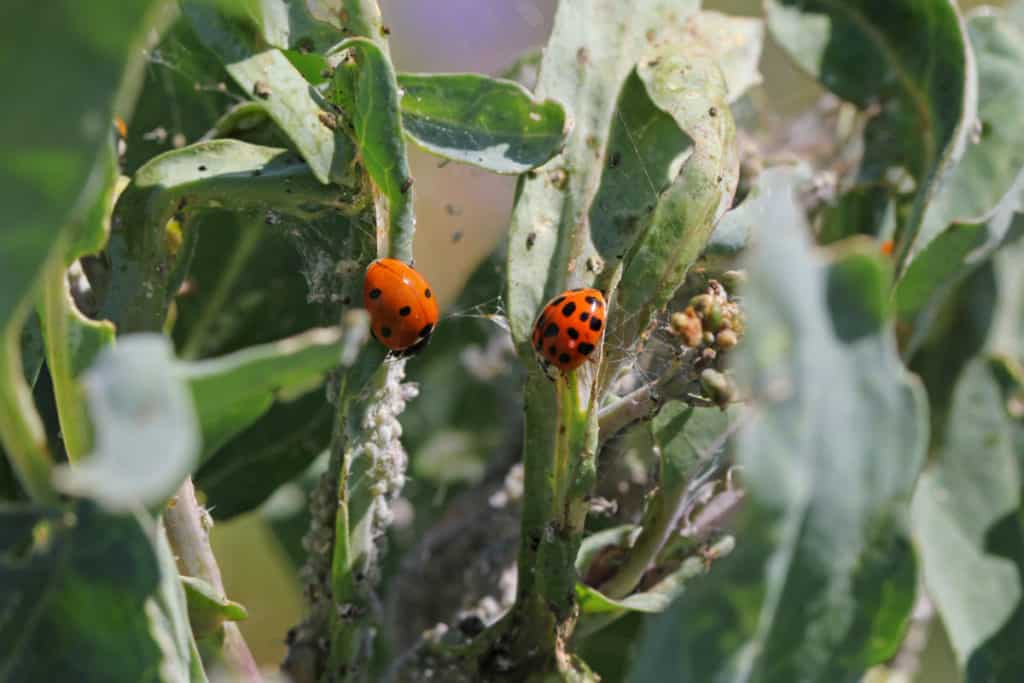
<point>379,442</point>
<point>382,445</point>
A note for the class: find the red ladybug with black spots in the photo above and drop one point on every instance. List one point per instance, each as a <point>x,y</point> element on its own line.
<point>402,307</point>
<point>569,329</point>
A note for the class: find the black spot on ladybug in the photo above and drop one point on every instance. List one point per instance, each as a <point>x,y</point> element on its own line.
<point>427,329</point>
<point>584,315</point>
<point>564,358</point>
<point>427,293</point>
<point>404,311</point>
<point>552,350</point>
<point>568,309</point>
<point>573,333</point>
<point>595,324</point>
<point>585,348</point>
<point>558,301</point>
<point>385,332</point>
<point>375,293</point>
<point>551,330</point>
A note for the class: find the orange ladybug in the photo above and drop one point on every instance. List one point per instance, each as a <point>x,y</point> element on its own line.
<point>568,329</point>
<point>403,310</point>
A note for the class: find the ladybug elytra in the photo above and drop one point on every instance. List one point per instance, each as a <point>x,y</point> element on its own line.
<point>403,310</point>
<point>569,329</point>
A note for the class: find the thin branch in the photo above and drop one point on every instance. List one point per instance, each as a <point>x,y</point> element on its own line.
<point>680,383</point>
<point>666,519</point>
<point>188,533</point>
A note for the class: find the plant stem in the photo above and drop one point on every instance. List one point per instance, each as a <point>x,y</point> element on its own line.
<point>661,521</point>
<point>188,533</point>
<point>21,430</point>
<point>644,402</point>
<point>74,422</point>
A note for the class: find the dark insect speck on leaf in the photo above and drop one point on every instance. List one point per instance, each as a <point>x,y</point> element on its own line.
<point>405,185</point>
<point>530,240</point>
<point>614,160</point>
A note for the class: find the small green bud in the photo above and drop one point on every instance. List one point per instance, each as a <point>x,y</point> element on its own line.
<point>714,317</point>
<point>733,279</point>
<point>717,387</point>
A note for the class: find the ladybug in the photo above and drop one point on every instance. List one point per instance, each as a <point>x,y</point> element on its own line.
<point>569,329</point>
<point>403,310</point>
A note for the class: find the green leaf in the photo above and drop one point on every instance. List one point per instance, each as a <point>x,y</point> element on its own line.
<point>365,88</point>
<point>690,88</point>
<point>93,588</point>
<point>274,284</point>
<point>973,483</point>
<point>494,124</point>
<point>207,608</point>
<point>912,59</point>
<point>585,70</point>
<point>231,392</point>
<point>592,601</point>
<point>73,340</point>
<point>53,170</point>
<point>991,165</point>
<point>49,174</point>
<point>302,27</point>
<point>275,449</point>
<point>147,440</point>
<point>822,579</point>
<point>266,75</point>
<point>222,174</point>
<point>972,212</point>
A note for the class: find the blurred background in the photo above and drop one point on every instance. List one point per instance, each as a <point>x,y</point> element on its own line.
<point>462,213</point>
